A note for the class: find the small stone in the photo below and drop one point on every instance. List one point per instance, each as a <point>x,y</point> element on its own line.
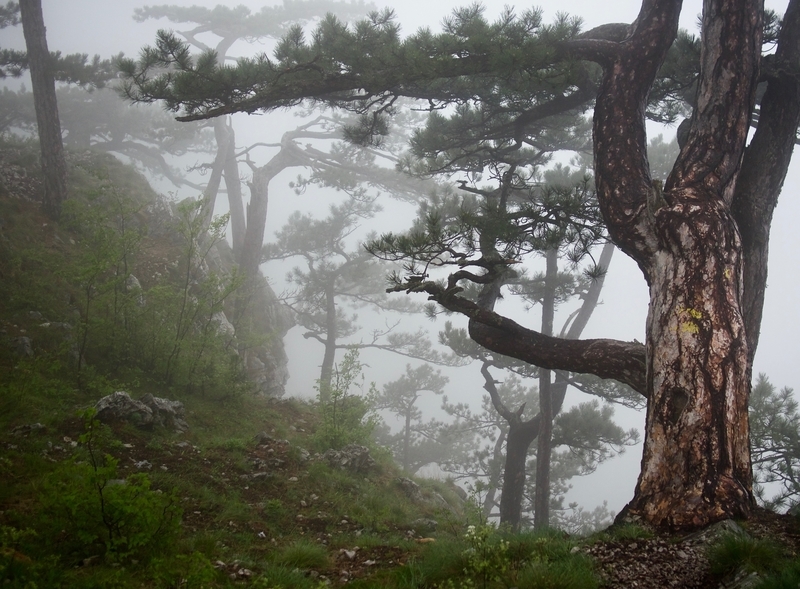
<point>24,430</point>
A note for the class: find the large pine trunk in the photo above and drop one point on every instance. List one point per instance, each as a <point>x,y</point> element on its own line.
<point>696,462</point>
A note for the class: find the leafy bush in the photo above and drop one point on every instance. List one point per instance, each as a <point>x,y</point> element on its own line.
<point>17,569</point>
<point>346,417</point>
<point>88,507</point>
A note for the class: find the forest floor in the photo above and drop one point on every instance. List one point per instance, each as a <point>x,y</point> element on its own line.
<point>245,500</point>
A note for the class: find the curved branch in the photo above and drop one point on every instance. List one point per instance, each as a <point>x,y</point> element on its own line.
<point>606,358</point>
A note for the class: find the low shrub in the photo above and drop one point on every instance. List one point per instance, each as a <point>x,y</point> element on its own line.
<point>88,508</point>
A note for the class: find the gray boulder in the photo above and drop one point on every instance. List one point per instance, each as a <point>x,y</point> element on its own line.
<point>424,525</point>
<point>119,406</point>
<point>169,414</point>
<point>352,457</point>
<point>411,489</point>
<point>147,412</point>
<point>23,346</point>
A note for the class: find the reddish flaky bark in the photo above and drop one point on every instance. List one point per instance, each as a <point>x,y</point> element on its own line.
<point>696,462</point>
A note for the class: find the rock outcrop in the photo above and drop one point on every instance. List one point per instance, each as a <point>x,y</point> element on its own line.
<point>147,412</point>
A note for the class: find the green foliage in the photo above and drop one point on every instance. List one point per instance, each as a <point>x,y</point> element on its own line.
<point>85,500</point>
<point>183,570</point>
<point>486,557</point>
<point>415,445</point>
<point>739,551</point>
<point>169,330</point>
<point>282,577</point>
<point>345,417</point>
<point>17,569</point>
<point>775,443</point>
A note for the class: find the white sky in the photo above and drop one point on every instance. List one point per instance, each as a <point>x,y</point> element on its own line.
<point>100,26</point>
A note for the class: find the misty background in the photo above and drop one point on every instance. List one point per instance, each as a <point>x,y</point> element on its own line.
<point>107,28</point>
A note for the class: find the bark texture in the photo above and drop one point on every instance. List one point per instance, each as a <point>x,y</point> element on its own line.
<point>766,161</point>
<point>696,462</point>
<point>44,98</point>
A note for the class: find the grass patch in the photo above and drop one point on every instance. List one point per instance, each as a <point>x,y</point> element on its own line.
<point>302,555</point>
<point>627,532</point>
<point>788,578</point>
<point>738,551</point>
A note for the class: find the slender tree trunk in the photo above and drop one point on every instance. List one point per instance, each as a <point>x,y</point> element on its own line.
<point>541,513</point>
<point>257,209</point>
<point>495,474</point>
<point>326,370</point>
<point>407,443</point>
<point>520,437</point>
<point>764,166</point>
<point>514,469</point>
<point>44,96</point>
<point>233,186</point>
<point>214,181</point>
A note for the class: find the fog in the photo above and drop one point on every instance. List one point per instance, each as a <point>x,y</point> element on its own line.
<point>107,28</point>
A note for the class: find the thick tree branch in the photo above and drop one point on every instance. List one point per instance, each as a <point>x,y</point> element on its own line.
<point>766,161</point>
<point>606,358</point>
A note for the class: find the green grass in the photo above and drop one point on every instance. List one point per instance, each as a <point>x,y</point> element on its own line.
<point>302,555</point>
<point>627,532</point>
<point>738,551</point>
<point>788,578</point>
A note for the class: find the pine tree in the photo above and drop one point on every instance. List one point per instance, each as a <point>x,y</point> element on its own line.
<point>775,443</point>
<point>700,239</point>
<point>400,397</point>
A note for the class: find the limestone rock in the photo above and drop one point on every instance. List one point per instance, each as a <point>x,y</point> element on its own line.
<point>24,430</point>
<point>23,347</point>
<point>410,488</point>
<point>169,414</point>
<point>147,412</point>
<point>119,406</point>
<point>424,525</point>
<point>352,457</point>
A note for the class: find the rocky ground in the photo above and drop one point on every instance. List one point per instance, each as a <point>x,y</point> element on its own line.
<point>273,479</point>
<point>666,560</point>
